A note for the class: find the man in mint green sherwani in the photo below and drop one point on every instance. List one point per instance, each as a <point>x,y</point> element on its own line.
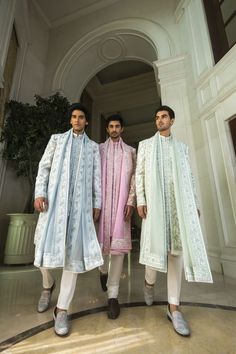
<point>171,236</point>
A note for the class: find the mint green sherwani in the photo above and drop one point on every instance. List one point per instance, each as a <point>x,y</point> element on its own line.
<point>164,183</point>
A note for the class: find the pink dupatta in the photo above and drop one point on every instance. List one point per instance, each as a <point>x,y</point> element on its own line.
<point>114,233</point>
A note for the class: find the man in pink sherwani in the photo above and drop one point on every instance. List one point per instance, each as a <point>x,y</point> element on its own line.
<point>118,200</point>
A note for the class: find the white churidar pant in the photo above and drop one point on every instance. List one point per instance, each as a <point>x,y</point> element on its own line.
<point>67,287</point>
<point>174,276</point>
<point>114,270</point>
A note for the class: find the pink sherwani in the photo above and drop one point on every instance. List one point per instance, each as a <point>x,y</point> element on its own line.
<point>118,190</point>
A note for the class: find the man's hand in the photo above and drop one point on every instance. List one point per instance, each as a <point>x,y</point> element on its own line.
<point>96,214</point>
<point>41,204</point>
<point>128,211</point>
<point>142,211</point>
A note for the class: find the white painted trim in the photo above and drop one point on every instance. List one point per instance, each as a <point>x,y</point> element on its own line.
<point>217,159</point>
<point>223,263</point>
<point>144,81</point>
<point>41,14</point>
<point>231,163</point>
<point>210,83</point>
<point>1,77</point>
<point>3,165</point>
<point>22,27</point>
<point>229,267</point>
<point>6,22</point>
<point>171,69</point>
<point>98,68</point>
<point>215,262</point>
<point>150,31</point>
<point>16,84</point>
<point>7,9</point>
<point>222,119</point>
<point>180,10</point>
<point>86,10</point>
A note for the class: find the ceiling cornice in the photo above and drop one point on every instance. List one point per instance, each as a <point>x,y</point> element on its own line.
<point>42,14</point>
<point>127,86</point>
<point>86,10</point>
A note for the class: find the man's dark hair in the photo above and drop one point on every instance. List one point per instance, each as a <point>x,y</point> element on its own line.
<point>77,106</point>
<point>166,108</point>
<point>115,117</point>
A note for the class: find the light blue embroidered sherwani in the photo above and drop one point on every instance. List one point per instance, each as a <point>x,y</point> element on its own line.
<point>69,176</point>
<point>172,224</point>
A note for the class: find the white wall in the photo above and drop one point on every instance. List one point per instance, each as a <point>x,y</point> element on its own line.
<point>32,35</point>
<point>6,21</point>
<point>211,94</point>
<point>155,21</point>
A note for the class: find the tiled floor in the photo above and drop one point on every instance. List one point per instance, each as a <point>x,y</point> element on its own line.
<point>20,288</point>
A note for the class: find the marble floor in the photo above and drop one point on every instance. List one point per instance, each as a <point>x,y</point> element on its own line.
<point>138,330</point>
<point>209,308</point>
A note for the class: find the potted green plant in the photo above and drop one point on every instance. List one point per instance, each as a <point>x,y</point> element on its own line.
<point>25,135</point>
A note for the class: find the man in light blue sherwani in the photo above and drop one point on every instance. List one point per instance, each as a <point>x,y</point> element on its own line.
<point>68,197</point>
<point>171,237</point>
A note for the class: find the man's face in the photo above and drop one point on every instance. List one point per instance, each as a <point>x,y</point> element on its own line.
<point>163,121</point>
<point>78,121</point>
<point>114,129</point>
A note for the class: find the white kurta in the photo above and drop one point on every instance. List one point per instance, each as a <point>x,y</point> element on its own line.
<point>164,185</point>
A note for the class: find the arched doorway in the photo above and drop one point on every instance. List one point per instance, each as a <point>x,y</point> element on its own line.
<point>131,39</point>
<point>128,88</point>
<point>112,48</point>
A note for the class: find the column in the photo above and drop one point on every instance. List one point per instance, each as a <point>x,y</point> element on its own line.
<point>171,76</point>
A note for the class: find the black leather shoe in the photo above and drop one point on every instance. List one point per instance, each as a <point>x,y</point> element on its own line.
<point>113,309</point>
<point>103,281</point>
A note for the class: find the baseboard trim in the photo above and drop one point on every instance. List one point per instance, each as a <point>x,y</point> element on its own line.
<point>215,262</point>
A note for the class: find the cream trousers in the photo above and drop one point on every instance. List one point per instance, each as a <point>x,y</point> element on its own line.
<point>113,265</point>
<point>174,276</point>
<point>67,287</point>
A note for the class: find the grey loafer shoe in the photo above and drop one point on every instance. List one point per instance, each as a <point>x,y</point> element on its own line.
<point>61,325</point>
<point>45,298</point>
<point>148,294</point>
<point>179,323</point>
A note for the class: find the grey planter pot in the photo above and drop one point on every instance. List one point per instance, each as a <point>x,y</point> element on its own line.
<point>20,239</point>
